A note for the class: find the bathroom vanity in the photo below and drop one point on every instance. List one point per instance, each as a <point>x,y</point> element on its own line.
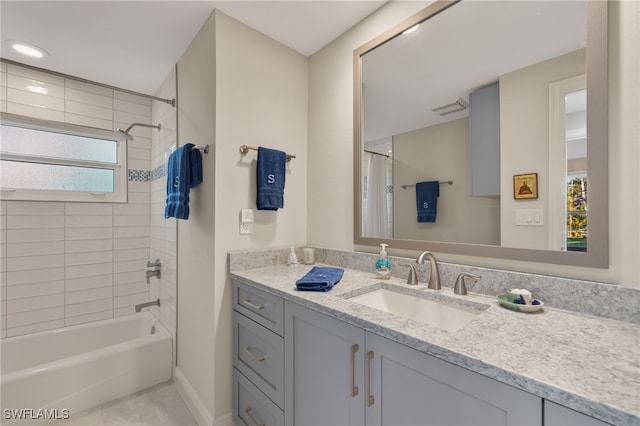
<point>321,358</point>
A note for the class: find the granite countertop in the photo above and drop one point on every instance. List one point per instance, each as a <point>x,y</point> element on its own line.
<point>586,363</point>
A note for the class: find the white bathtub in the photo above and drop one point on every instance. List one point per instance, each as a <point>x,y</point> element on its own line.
<point>82,366</point>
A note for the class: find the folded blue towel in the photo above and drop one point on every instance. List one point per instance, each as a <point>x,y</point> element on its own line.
<point>271,173</point>
<point>184,171</point>
<point>320,278</point>
<point>427,200</point>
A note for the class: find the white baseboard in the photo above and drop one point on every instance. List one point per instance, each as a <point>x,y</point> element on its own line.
<point>198,410</point>
<point>226,420</point>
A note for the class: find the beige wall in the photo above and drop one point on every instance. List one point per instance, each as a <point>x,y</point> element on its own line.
<point>524,142</point>
<point>441,152</point>
<point>235,86</point>
<point>331,132</point>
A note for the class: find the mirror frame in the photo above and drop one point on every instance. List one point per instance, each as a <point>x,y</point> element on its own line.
<point>597,254</point>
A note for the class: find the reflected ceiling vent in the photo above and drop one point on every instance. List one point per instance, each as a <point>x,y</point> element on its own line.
<point>456,106</point>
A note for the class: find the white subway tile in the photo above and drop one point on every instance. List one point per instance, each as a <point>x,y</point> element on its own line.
<point>139,198</point>
<point>3,294</point>
<point>88,110</point>
<point>138,186</point>
<point>3,77</point>
<point>75,284</point>
<point>3,207</point>
<point>34,221</point>
<point>35,316</point>
<point>94,270</point>
<point>83,120</point>
<point>34,99</point>
<point>85,97</point>
<point>139,154</point>
<point>88,307</point>
<point>137,164</point>
<point>131,97</point>
<point>88,258</point>
<point>77,221</point>
<point>129,243</point>
<point>73,234</point>
<point>131,220</point>
<point>35,248</point>
<point>34,235</point>
<point>130,299</point>
<point>141,143</point>
<point>133,209</point>
<point>37,208</point>
<point>34,262</point>
<point>128,277</point>
<point>34,111</point>
<point>35,328</point>
<point>131,254</point>
<point>35,75</point>
<point>3,107</point>
<point>33,303</point>
<point>35,276</point>
<point>88,87</point>
<point>33,290</point>
<point>83,246</point>
<point>130,266</point>
<point>88,295</point>
<point>127,310</point>
<point>131,288</point>
<point>88,208</point>
<point>131,231</point>
<point>132,107</point>
<point>96,316</point>
<point>42,88</point>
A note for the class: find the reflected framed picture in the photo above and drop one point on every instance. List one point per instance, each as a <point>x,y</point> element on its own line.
<point>525,187</point>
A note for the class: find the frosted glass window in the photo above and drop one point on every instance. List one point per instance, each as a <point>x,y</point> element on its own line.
<point>42,160</point>
<point>19,140</point>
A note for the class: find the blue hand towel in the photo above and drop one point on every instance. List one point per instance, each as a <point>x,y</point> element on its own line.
<point>320,278</point>
<point>271,173</point>
<point>427,200</point>
<point>184,171</point>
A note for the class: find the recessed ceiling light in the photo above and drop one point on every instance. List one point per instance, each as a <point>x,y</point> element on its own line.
<point>412,29</point>
<point>27,49</point>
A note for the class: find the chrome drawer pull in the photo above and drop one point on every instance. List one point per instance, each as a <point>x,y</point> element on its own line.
<point>252,305</point>
<point>248,412</point>
<point>253,355</point>
<point>354,388</point>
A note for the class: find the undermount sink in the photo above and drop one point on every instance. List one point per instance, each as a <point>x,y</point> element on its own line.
<point>446,315</point>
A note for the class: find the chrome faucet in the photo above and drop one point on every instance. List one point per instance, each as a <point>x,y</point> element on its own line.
<point>155,272</point>
<point>144,305</point>
<point>434,277</point>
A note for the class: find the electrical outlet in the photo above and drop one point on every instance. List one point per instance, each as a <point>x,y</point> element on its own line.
<point>246,228</point>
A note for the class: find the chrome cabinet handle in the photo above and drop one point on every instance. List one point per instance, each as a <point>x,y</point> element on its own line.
<point>253,355</point>
<point>248,413</point>
<point>252,305</point>
<point>367,379</point>
<point>354,388</point>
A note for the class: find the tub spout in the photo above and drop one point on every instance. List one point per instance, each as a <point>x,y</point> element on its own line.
<point>144,305</point>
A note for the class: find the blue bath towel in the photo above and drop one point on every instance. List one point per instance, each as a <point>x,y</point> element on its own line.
<point>320,278</point>
<point>184,171</point>
<point>271,174</point>
<point>427,200</point>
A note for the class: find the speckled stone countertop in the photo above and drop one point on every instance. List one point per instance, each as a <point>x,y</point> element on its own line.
<point>586,363</point>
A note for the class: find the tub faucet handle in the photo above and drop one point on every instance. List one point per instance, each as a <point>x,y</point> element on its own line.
<point>155,264</point>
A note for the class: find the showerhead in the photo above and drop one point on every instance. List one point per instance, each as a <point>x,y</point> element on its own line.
<point>125,133</point>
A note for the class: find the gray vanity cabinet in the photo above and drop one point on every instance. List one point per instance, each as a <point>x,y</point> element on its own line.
<point>557,415</point>
<point>324,381</point>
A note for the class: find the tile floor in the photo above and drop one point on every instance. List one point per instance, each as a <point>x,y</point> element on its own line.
<point>160,405</point>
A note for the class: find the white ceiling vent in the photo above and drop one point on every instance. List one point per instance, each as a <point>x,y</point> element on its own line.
<point>456,106</point>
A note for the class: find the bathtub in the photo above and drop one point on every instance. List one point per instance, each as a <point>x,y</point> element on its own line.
<point>82,366</point>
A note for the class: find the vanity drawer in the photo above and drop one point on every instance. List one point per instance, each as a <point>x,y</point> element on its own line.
<point>259,354</point>
<point>262,307</point>
<point>251,407</point>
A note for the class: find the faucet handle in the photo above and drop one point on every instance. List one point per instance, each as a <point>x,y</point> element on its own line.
<point>155,264</point>
<point>460,286</point>
<point>413,276</point>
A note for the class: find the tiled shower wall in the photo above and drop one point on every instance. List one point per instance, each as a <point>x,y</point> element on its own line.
<point>163,231</point>
<point>68,263</point>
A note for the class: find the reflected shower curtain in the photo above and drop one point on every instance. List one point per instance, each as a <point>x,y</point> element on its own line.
<point>376,223</point>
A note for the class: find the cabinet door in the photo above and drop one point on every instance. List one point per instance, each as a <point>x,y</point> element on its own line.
<point>413,388</point>
<point>323,369</point>
<point>557,415</point>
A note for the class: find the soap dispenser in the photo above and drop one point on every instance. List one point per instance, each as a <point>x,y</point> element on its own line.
<point>383,267</point>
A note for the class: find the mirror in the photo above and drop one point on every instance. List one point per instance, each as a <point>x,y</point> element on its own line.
<point>465,107</point>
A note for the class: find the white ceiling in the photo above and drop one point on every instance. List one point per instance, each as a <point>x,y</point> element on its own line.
<point>134,44</point>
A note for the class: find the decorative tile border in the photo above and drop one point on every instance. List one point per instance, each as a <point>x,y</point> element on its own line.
<point>159,172</point>
<point>138,175</point>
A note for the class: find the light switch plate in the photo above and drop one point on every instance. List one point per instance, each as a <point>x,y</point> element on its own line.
<point>246,215</point>
<point>529,217</point>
